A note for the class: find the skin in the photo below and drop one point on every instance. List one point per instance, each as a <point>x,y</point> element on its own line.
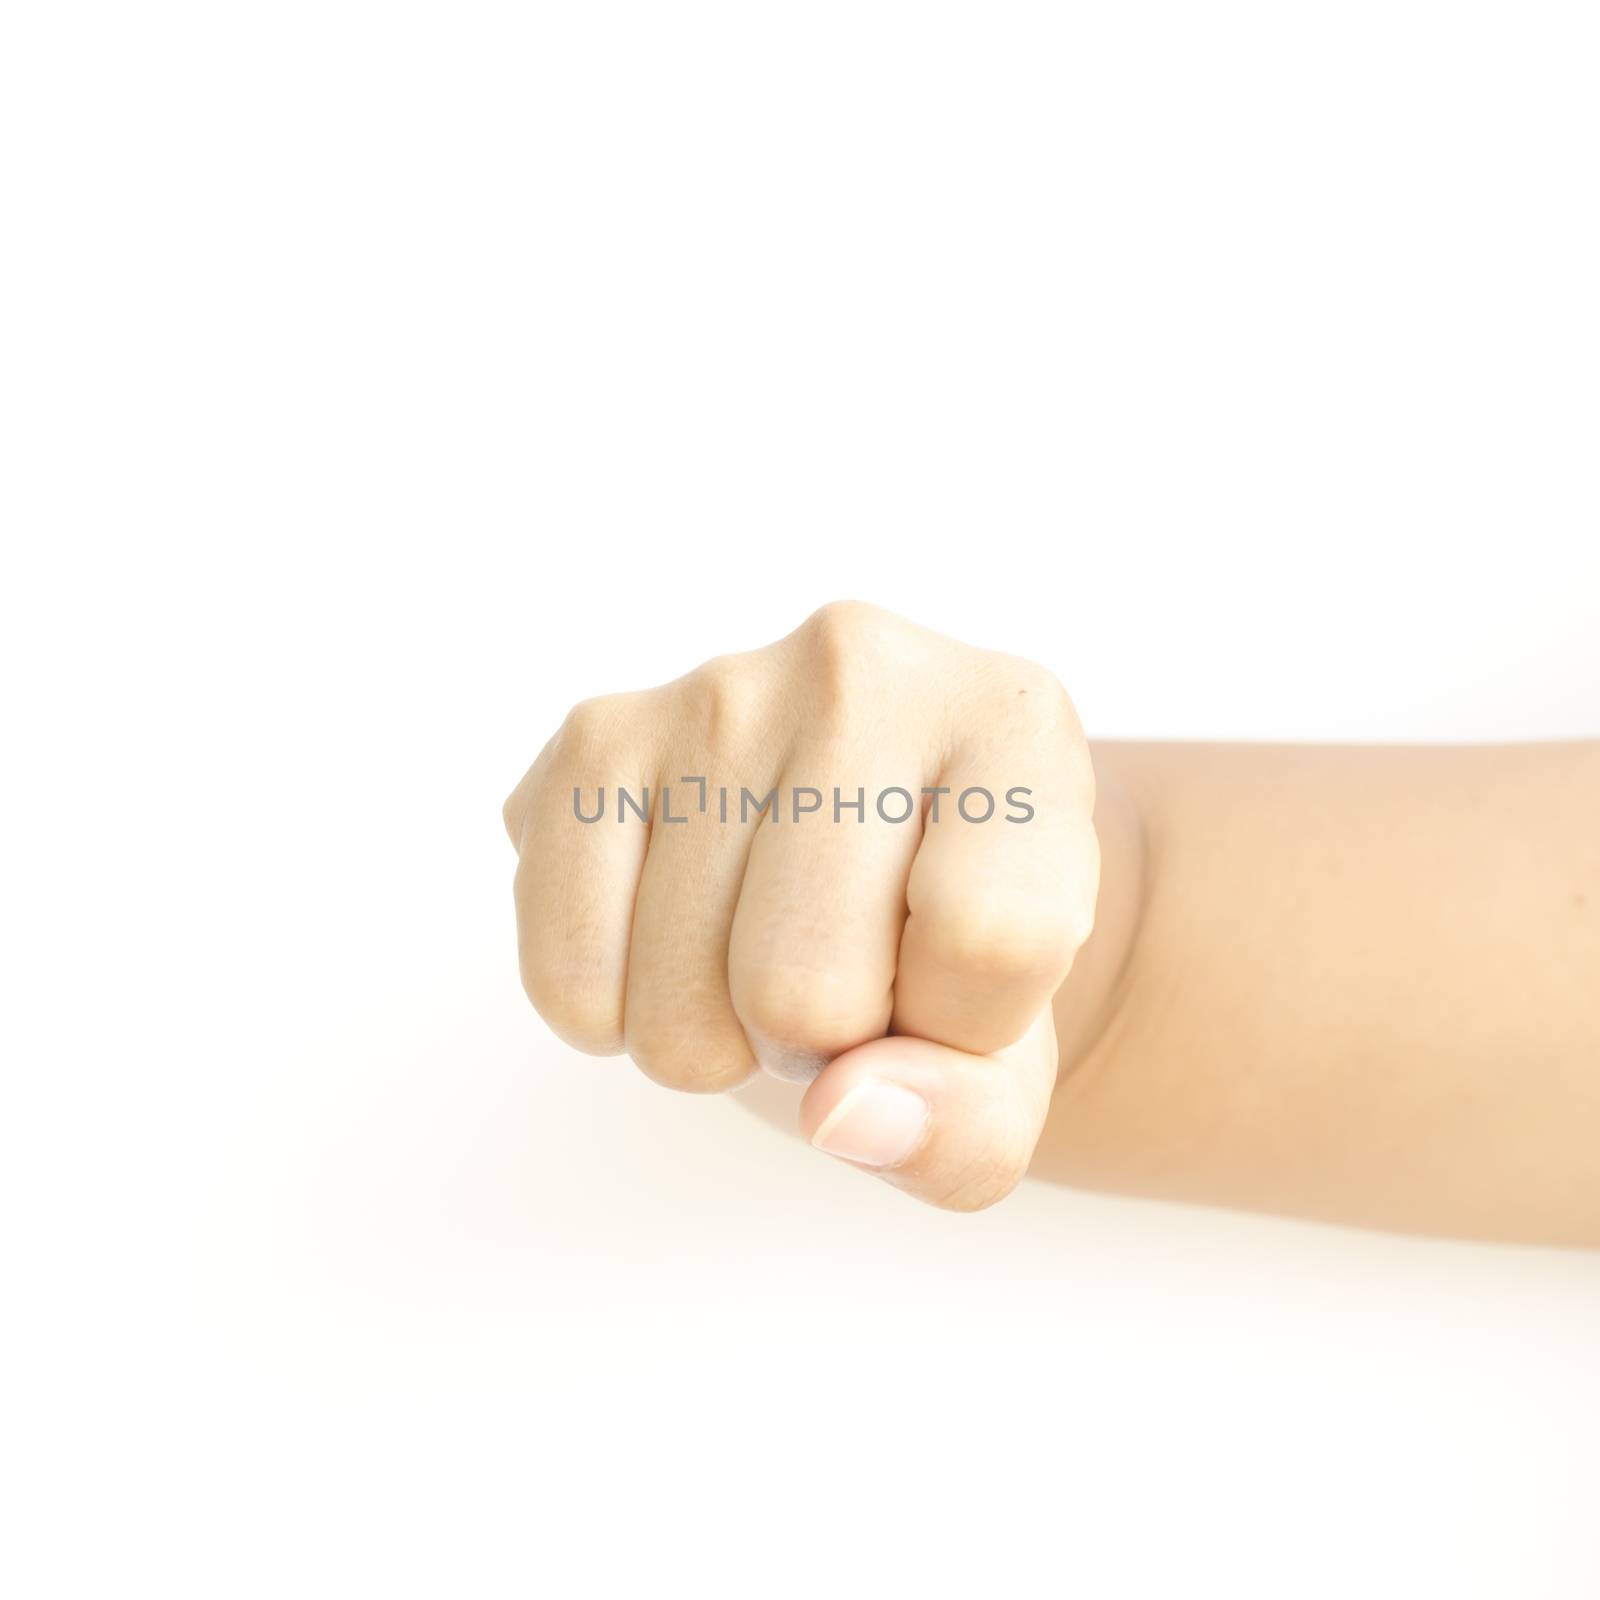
<point>1354,984</point>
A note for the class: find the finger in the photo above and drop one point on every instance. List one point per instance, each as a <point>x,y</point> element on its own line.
<point>681,1027</point>
<point>817,929</point>
<point>1002,891</point>
<point>953,1129</point>
<point>576,880</point>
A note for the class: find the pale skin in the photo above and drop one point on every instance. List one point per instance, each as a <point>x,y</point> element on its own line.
<point>1358,984</point>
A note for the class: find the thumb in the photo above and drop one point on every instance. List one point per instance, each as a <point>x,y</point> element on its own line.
<point>953,1129</point>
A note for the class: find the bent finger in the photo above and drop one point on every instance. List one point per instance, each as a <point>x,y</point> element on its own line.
<point>952,1129</point>
<point>1002,891</point>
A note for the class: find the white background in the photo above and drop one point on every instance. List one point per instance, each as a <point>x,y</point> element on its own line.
<point>379,379</point>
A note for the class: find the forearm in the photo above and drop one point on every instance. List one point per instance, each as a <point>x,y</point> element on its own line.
<point>1361,984</point>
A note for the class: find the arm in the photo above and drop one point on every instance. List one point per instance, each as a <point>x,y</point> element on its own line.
<point>1354,984</point>
<point>1359,984</point>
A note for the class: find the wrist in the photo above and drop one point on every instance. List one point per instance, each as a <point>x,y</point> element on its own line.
<point>1088,1002</point>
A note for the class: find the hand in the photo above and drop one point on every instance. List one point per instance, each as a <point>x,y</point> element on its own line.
<point>905,967</point>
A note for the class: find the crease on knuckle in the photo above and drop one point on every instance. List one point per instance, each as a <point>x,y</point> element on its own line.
<point>580,1014</point>
<point>691,1064</point>
<point>1001,944</point>
<point>680,1032</point>
<point>810,1012</point>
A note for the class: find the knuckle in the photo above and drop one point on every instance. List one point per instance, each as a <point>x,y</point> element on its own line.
<point>511,815</point>
<point>1041,681</point>
<point>563,974</point>
<point>528,894</point>
<point>1010,943</point>
<point>582,1015</point>
<point>1038,682</point>
<point>1029,700</point>
<point>810,1013</point>
<point>592,726</point>
<point>847,642</point>
<point>692,1064</point>
<point>678,1025</point>
<point>845,624</point>
<point>724,700</point>
<point>1057,711</point>
<point>586,718</point>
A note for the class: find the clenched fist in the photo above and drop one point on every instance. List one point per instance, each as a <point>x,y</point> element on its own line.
<point>862,857</point>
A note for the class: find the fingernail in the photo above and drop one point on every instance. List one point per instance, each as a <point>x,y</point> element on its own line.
<point>877,1124</point>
